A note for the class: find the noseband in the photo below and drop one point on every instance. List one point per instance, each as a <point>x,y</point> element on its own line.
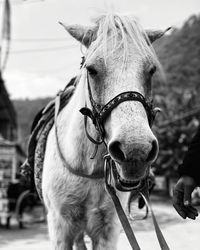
<point>98,113</point>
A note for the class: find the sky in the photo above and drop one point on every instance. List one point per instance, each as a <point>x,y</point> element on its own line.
<point>44,57</point>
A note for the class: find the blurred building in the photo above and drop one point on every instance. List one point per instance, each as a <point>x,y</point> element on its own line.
<point>11,153</point>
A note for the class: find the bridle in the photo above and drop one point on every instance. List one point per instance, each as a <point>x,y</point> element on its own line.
<point>98,114</point>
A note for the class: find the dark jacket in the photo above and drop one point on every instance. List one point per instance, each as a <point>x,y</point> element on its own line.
<point>191,161</point>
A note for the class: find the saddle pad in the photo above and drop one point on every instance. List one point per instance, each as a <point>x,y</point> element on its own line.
<point>39,156</point>
<point>43,122</point>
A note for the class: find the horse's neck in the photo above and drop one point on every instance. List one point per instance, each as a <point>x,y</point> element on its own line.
<point>76,147</point>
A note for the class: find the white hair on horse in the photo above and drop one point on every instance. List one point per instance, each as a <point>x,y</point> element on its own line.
<point>119,29</point>
<point>73,184</point>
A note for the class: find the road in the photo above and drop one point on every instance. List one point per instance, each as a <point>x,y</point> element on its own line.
<point>180,234</point>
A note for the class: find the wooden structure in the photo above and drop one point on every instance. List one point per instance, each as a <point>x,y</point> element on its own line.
<point>11,154</point>
<point>8,120</point>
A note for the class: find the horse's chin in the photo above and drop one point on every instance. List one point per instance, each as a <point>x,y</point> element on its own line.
<point>127,184</point>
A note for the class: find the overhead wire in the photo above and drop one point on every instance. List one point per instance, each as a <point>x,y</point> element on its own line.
<point>42,49</point>
<point>17,2</point>
<point>38,40</point>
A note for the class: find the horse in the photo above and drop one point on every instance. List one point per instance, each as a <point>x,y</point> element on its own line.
<point>119,62</point>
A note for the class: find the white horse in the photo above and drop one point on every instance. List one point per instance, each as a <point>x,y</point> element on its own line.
<point>119,58</point>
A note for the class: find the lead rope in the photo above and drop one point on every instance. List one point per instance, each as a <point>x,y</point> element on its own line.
<point>121,214</point>
<point>159,235</point>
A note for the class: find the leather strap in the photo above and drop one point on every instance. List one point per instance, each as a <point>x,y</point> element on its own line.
<point>160,237</point>
<point>120,212</point>
<point>100,112</point>
<point>95,175</point>
<point>123,97</point>
<point>95,141</point>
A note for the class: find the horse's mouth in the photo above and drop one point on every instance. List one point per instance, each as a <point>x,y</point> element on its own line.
<point>126,185</point>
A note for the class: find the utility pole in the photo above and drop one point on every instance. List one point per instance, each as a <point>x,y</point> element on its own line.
<point>5,31</point>
<point>5,34</point>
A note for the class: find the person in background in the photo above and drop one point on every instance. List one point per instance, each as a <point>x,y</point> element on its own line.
<point>189,179</point>
<point>13,192</point>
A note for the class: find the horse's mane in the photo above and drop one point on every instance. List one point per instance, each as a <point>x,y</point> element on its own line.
<point>124,27</point>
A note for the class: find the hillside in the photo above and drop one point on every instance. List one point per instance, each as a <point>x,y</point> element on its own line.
<point>178,96</point>
<point>179,54</point>
<point>26,111</point>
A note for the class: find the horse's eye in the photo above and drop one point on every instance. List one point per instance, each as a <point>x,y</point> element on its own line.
<point>152,70</point>
<point>91,70</point>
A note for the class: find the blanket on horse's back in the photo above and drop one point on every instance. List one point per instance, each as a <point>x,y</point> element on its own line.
<point>42,124</point>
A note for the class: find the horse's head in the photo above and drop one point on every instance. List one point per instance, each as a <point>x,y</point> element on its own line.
<point>120,58</point>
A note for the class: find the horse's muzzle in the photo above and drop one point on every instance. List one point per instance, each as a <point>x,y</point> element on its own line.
<point>145,152</point>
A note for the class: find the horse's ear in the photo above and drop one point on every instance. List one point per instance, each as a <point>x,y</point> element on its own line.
<point>153,35</point>
<point>83,34</point>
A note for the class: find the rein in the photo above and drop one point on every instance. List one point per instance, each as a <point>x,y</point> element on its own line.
<point>143,191</point>
<point>98,114</point>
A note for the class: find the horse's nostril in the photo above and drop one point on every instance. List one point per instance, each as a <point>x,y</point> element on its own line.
<point>115,151</point>
<point>154,151</point>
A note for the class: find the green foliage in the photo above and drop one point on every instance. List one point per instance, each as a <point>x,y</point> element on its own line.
<point>178,95</point>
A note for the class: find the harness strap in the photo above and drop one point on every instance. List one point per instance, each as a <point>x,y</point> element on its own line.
<point>96,175</point>
<point>159,235</point>
<point>95,141</point>
<point>120,212</point>
<point>100,112</point>
<point>126,96</point>
<point>122,216</point>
